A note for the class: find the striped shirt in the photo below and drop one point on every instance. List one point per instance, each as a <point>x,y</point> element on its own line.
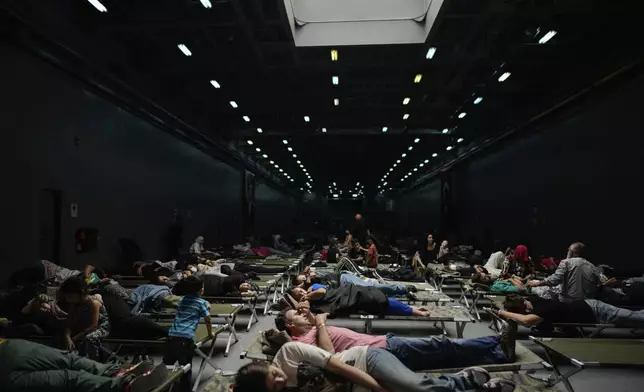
<point>190,310</point>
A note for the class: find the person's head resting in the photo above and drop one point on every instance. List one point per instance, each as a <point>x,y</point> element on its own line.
<point>445,244</point>
<point>193,285</point>
<point>521,254</point>
<point>299,279</point>
<point>577,249</point>
<point>199,240</point>
<point>245,287</point>
<point>517,304</point>
<point>73,290</point>
<point>296,292</point>
<point>482,278</point>
<point>259,377</point>
<point>294,323</point>
<point>160,280</point>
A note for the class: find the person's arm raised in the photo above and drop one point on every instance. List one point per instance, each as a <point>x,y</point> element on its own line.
<point>323,339</point>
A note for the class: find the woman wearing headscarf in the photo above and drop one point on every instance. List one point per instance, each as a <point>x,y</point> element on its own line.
<point>521,264</point>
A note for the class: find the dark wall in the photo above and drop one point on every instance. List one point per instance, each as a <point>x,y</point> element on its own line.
<point>276,212</point>
<point>578,180</point>
<point>126,176</point>
<point>419,212</point>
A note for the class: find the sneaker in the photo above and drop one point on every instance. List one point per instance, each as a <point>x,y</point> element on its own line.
<point>477,375</point>
<point>508,339</point>
<point>411,288</point>
<point>499,385</point>
<point>148,380</point>
<point>136,370</point>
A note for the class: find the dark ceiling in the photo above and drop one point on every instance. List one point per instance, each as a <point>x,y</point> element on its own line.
<point>247,47</point>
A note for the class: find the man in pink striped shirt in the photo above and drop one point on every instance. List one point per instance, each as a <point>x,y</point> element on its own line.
<point>432,352</point>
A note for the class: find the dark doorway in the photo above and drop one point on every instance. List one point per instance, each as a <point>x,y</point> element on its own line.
<point>50,216</point>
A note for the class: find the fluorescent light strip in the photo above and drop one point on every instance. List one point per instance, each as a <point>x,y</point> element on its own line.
<point>323,130</point>
<point>206,3</point>
<point>260,130</point>
<point>478,100</point>
<point>430,53</point>
<point>233,104</point>
<point>462,114</point>
<point>336,101</point>
<point>335,80</point>
<point>307,118</point>
<point>184,49</point>
<point>246,118</point>
<point>504,76</point>
<point>334,55</point>
<point>418,78</point>
<point>434,155</point>
<point>445,130</point>
<point>405,116</point>
<point>460,140</point>
<point>98,5</point>
<point>449,148</point>
<point>416,140</point>
<point>215,84</point>
<point>406,101</point>
<point>547,37</point>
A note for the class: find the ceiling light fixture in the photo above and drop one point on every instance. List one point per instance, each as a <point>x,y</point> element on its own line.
<point>298,162</point>
<point>405,116</point>
<point>415,169</point>
<point>384,129</point>
<point>398,161</point>
<point>259,130</point>
<point>258,149</point>
<point>404,155</point>
<point>336,102</point>
<point>410,148</point>
<point>416,140</point>
<point>418,78</point>
<point>206,3</point>
<point>434,155</point>
<point>290,149</point>
<point>406,101</point>
<point>271,162</point>
<point>323,130</point>
<point>215,84</point>
<point>421,164</point>
<point>426,161</point>
<point>184,49</point>
<point>462,114</point>
<point>294,155</point>
<point>445,130</point>
<point>233,104</point>
<point>250,142</point>
<point>246,118</point>
<point>265,156</point>
<point>98,5</point>
<point>504,76</point>
<point>334,55</point>
<point>395,164</point>
<point>430,53</point>
<point>478,100</point>
<point>460,140</point>
<point>449,148</point>
<point>547,37</point>
<point>354,195</point>
<point>335,80</point>
<point>307,118</point>
<point>285,141</point>
<point>335,195</point>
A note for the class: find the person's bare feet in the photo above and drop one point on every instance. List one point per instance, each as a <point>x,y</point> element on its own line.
<point>420,312</point>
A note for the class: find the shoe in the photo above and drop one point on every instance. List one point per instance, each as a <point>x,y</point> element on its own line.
<point>412,288</point>
<point>149,380</point>
<point>499,385</point>
<point>508,339</point>
<point>136,370</point>
<point>477,375</point>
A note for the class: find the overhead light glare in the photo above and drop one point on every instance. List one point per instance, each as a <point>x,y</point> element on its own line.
<point>290,148</point>
<point>233,104</point>
<point>335,80</point>
<point>265,156</point>
<point>258,149</point>
<point>404,155</point>
<point>354,195</point>
<point>421,164</point>
<point>478,100</point>
<point>98,5</point>
<point>416,140</point>
<point>307,118</point>
<point>405,116</point>
<point>334,55</point>
<point>250,142</point>
<point>398,161</point>
<point>271,162</point>
<point>434,155</point>
<point>246,118</point>
<point>462,114</point>
<point>206,3</point>
<point>504,76</point>
<point>259,130</point>
<point>445,130</point>
<point>449,148</point>
<point>426,161</point>
<point>460,140</point>
<point>323,130</point>
<point>385,129</point>
<point>294,155</point>
<point>410,148</point>
<point>418,78</point>
<point>336,102</point>
<point>184,49</point>
<point>406,101</point>
<point>547,37</point>
<point>285,141</point>
<point>215,84</point>
<point>430,53</point>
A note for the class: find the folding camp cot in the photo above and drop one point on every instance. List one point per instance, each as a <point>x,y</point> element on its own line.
<point>268,284</point>
<point>249,302</point>
<point>226,311</point>
<point>525,358</point>
<point>587,353</point>
<point>438,314</point>
<point>174,375</point>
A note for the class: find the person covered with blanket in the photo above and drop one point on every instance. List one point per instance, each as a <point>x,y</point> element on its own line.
<point>87,320</point>
<point>351,299</point>
<point>307,368</point>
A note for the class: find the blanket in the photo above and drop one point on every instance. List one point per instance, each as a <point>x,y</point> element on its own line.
<point>147,298</point>
<point>350,299</point>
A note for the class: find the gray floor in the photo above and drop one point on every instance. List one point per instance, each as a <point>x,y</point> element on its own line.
<point>599,379</point>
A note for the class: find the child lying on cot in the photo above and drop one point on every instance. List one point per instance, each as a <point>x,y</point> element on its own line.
<point>326,280</point>
<point>351,299</point>
<point>29,366</point>
<point>514,285</point>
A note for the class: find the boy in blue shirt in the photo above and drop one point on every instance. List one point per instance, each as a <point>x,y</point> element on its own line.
<point>191,308</point>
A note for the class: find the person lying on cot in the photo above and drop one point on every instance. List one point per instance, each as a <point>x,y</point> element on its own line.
<point>218,286</point>
<point>494,265</point>
<point>29,366</point>
<point>303,367</point>
<point>501,285</point>
<point>351,299</point>
<point>309,278</point>
<point>432,352</point>
<point>537,311</point>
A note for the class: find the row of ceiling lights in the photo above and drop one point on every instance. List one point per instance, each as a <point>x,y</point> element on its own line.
<point>502,78</point>
<point>358,191</point>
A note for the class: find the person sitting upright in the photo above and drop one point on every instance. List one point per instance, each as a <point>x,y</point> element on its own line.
<point>417,354</point>
<point>580,279</point>
<point>87,321</point>
<point>535,311</point>
<point>190,310</point>
<point>355,253</point>
<point>197,247</point>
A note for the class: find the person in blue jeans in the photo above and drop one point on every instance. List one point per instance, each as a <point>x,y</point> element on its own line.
<point>432,352</point>
<point>309,277</point>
